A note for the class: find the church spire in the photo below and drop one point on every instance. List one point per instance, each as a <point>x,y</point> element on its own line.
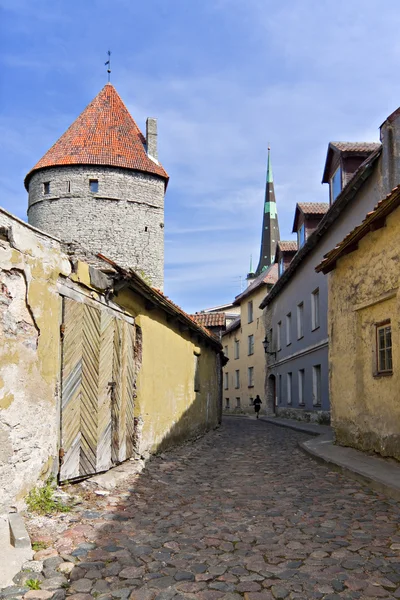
<point>270,230</point>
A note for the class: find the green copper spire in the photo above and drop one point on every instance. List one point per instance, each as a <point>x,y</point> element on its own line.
<point>270,178</point>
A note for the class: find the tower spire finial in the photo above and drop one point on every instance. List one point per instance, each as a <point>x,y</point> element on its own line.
<point>109,65</point>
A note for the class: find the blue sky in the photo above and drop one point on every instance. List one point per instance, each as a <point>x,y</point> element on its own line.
<point>224,78</point>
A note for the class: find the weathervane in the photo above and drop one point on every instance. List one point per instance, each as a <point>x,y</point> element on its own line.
<point>109,65</point>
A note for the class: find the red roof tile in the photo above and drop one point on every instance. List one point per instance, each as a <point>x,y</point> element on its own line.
<point>313,208</point>
<point>103,134</point>
<point>210,319</point>
<point>287,246</point>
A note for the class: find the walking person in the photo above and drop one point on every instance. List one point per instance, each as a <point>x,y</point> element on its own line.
<point>257,404</point>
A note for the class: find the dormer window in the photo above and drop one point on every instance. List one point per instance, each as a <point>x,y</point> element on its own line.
<point>301,236</point>
<point>94,185</point>
<point>281,267</point>
<point>336,184</point>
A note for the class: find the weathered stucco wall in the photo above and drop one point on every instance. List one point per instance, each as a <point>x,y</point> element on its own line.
<point>30,264</point>
<point>167,406</point>
<point>363,291</point>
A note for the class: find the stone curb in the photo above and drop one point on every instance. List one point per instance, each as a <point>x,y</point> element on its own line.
<point>375,472</point>
<point>19,536</point>
<point>311,429</point>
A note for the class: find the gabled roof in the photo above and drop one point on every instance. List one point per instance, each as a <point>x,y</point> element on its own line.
<point>375,219</point>
<point>269,276</point>
<point>210,319</point>
<point>309,209</point>
<point>103,134</point>
<point>343,199</point>
<point>363,149</point>
<point>287,246</point>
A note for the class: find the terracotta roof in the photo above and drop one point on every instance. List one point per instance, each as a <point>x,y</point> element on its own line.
<point>375,219</point>
<point>103,134</point>
<point>287,246</point>
<point>355,146</point>
<point>269,276</point>
<point>210,319</point>
<point>313,208</point>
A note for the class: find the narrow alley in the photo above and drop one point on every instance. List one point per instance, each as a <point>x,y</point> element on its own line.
<point>240,513</point>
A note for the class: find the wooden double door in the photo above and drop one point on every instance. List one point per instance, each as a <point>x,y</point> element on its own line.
<point>97,389</point>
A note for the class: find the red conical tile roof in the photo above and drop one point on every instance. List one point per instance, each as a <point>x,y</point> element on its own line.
<point>103,134</point>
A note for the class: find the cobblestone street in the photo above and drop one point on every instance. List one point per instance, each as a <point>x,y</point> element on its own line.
<point>240,513</point>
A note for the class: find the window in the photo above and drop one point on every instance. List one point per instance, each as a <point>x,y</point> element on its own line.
<point>226,351</point>
<point>250,311</point>
<point>289,388</point>
<point>336,184</point>
<point>46,187</point>
<point>250,376</point>
<point>226,381</point>
<point>301,236</point>
<point>237,402</point>
<point>300,318</point>
<point>316,385</point>
<point>301,386</point>
<point>237,349</point>
<point>227,403</point>
<point>288,329</point>
<point>196,374</point>
<point>315,309</point>
<point>67,187</point>
<point>94,185</point>
<point>384,347</point>
<point>278,335</point>
<point>281,266</point>
<point>251,401</point>
<point>251,344</point>
<point>237,379</point>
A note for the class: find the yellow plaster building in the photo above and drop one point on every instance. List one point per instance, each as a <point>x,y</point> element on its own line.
<point>95,365</point>
<point>364,319</point>
<point>244,374</point>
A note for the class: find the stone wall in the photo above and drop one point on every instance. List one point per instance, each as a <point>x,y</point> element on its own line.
<point>123,220</point>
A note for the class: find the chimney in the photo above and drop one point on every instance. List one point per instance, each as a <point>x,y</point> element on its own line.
<point>390,138</point>
<point>151,138</point>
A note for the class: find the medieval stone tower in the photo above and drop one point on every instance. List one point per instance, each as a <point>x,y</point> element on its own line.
<point>102,186</point>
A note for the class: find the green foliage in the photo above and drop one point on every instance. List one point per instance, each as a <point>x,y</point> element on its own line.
<point>41,499</point>
<point>145,277</point>
<point>36,546</point>
<point>33,584</point>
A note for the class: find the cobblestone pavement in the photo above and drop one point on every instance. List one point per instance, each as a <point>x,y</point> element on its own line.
<point>242,513</point>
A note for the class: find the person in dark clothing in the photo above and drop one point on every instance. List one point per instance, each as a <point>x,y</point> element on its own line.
<point>257,404</point>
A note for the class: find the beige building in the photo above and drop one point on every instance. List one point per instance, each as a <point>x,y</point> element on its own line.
<point>364,317</point>
<point>244,374</point>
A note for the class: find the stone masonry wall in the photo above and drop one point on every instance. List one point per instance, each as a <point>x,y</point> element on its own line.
<point>124,220</point>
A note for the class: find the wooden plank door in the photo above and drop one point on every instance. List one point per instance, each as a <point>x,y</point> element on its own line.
<point>97,389</point>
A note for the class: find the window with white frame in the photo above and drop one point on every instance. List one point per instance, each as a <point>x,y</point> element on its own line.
<point>226,381</point>
<point>300,320</point>
<point>278,335</point>
<point>336,184</point>
<point>250,344</point>
<point>289,388</point>
<point>250,376</point>
<point>384,348</point>
<point>315,309</point>
<point>317,385</point>
<point>237,348</point>
<point>237,378</point>
<point>301,236</point>
<point>250,311</point>
<point>300,381</point>
<point>288,329</point>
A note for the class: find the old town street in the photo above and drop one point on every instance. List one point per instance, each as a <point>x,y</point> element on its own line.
<point>240,513</point>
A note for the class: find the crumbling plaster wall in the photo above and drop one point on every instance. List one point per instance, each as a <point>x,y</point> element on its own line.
<point>30,312</point>
<point>364,291</point>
